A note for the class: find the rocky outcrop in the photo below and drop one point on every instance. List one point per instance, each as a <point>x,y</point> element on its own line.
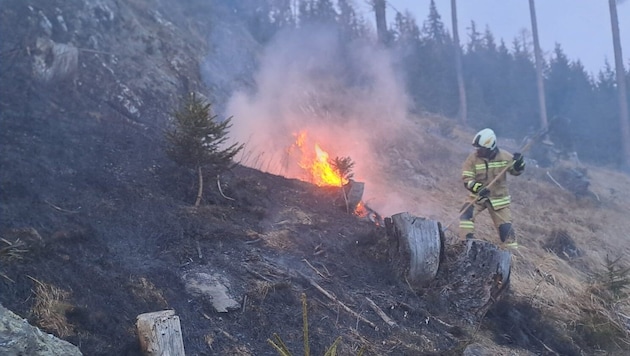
<point>128,58</point>
<point>18,337</point>
<point>87,88</point>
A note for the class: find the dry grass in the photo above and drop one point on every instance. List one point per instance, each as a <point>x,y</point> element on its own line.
<point>50,308</point>
<point>563,289</point>
<point>12,251</point>
<point>420,171</point>
<point>261,289</point>
<point>280,239</point>
<point>14,243</point>
<point>143,289</point>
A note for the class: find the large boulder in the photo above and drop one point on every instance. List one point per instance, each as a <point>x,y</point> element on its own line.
<point>18,337</point>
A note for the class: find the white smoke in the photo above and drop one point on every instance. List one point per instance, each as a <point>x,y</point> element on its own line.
<point>346,97</point>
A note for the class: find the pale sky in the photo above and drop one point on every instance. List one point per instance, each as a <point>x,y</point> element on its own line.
<point>582,27</point>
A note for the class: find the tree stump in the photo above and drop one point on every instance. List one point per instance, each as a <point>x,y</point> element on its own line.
<point>418,249</point>
<point>477,278</point>
<point>159,333</point>
<point>353,192</point>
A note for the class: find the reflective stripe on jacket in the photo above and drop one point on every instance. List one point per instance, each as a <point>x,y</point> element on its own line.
<point>484,171</point>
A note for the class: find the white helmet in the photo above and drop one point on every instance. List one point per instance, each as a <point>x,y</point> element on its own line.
<point>485,138</point>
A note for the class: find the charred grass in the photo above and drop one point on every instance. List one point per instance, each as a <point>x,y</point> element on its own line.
<point>560,303</point>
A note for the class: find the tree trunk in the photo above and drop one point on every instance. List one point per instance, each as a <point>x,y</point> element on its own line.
<point>159,333</point>
<point>624,121</point>
<point>200,190</point>
<point>381,20</point>
<point>463,108</point>
<point>542,106</point>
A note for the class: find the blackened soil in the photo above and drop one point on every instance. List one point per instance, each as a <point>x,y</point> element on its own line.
<point>103,216</point>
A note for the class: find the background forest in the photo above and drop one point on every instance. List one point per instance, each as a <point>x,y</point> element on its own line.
<point>500,77</point>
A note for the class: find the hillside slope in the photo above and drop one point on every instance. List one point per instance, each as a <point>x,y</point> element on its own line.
<point>97,225</point>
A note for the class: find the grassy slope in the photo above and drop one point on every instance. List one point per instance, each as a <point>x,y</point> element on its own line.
<point>563,289</point>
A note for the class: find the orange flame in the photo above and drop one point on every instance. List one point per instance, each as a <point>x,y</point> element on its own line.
<point>316,163</point>
<point>364,212</point>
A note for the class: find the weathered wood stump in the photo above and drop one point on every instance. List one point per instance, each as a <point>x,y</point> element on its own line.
<point>160,333</point>
<point>353,192</point>
<point>418,249</point>
<point>477,277</point>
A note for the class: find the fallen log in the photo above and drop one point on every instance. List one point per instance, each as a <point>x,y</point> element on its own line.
<point>160,333</point>
<point>418,248</point>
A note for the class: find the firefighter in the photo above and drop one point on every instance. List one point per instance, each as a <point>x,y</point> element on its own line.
<point>484,173</point>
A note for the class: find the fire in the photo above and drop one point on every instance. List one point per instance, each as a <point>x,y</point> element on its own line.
<point>363,211</point>
<point>317,168</point>
<point>316,163</point>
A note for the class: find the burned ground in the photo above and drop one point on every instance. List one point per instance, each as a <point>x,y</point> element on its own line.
<point>107,220</point>
<point>99,224</point>
<point>113,228</point>
<point>119,249</point>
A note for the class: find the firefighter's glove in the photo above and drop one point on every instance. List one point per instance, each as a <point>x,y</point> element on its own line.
<point>474,186</point>
<point>484,193</point>
<point>519,162</point>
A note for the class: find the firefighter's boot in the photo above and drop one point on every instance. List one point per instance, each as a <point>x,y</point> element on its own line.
<point>507,235</point>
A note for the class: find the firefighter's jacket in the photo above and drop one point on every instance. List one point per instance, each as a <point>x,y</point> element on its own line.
<point>483,170</point>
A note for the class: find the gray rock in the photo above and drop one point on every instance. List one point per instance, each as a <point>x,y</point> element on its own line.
<point>212,288</point>
<point>18,337</point>
<point>54,61</point>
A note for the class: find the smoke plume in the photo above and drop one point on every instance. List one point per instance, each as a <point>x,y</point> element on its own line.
<point>344,97</point>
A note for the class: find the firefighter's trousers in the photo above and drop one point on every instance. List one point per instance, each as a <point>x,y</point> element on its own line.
<point>467,219</point>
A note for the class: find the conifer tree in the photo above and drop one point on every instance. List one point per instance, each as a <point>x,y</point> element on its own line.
<point>198,138</point>
<point>343,166</point>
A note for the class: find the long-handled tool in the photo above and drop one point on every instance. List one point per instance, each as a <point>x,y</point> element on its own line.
<point>523,149</point>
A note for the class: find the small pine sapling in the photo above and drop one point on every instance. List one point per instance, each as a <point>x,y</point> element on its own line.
<point>343,166</point>
<point>197,140</point>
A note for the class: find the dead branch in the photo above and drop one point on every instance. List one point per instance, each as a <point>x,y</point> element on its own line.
<point>543,344</point>
<point>314,269</point>
<point>334,299</point>
<point>442,322</point>
<point>381,313</point>
<point>13,250</point>
<point>7,277</point>
<point>221,190</point>
<point>228,335</point>
<point>555,181</point>
<point>256,274</point>
<point>199,250</point>
<point>94,51</point>
<point>61,209</point>
<point>244,305</point>
<point>254,241</point>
